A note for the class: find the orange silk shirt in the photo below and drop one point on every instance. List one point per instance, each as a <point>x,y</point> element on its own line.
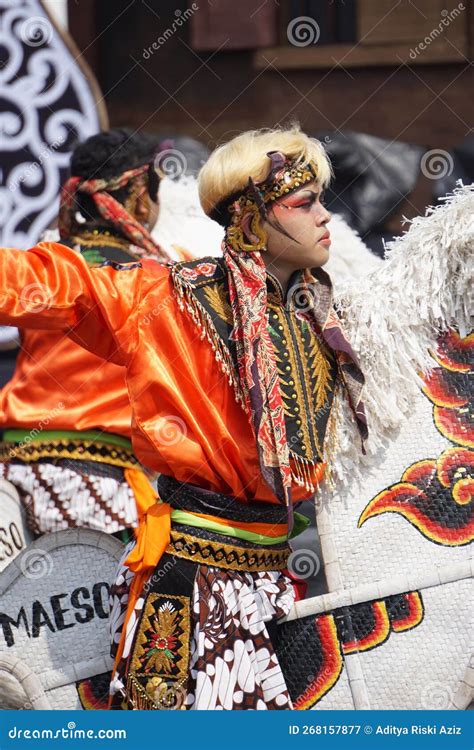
<point>61,386</point>
<point>186,422</point>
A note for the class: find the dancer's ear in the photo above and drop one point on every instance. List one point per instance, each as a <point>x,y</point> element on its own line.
<point>142,208</point>
<point>246,225</point>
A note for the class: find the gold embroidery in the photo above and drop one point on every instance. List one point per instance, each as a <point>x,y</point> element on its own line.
<point>308,373</point>
<point>160,659</point>
<point>321,374</point>
<point>81,450</point>
<point>229,556</point>
<point>293,177</point>
<point>217,300</point>
<point>235,234</point>
<point>157,694</point>
<point>300,407</point>
<point>102,239</point>
<point>306,367</point>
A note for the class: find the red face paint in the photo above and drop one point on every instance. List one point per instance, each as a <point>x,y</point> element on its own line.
<point>301,200</point>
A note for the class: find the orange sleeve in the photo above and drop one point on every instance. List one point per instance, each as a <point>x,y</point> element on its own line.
<point>52,287</point>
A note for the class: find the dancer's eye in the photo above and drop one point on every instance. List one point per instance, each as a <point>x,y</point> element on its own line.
<point>308,202</point>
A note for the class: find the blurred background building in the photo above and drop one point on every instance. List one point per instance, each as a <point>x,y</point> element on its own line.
<point>399,71</point>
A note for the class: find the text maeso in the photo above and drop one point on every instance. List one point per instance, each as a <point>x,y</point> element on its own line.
<point>59,612</point>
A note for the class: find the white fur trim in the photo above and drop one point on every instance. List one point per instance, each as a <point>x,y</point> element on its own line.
<point>394,314</point>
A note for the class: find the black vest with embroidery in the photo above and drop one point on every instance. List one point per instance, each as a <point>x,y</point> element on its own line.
<point>99,248</point>
<point>307,367</point>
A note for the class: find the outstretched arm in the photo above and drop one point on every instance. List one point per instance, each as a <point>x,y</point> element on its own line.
<point>52,287</point>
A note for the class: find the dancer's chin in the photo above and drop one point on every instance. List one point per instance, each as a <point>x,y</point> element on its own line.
<point>321,254</point>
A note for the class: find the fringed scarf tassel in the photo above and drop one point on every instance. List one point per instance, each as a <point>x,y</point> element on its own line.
<point>187,301</point>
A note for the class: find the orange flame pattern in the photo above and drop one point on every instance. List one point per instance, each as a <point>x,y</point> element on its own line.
<point>435,494</point>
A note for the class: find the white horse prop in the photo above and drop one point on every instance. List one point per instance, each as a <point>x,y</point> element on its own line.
<point>394,630</point>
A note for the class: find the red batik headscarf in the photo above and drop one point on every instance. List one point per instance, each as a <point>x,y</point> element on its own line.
<point>258,371</point>
<point>110,210</point>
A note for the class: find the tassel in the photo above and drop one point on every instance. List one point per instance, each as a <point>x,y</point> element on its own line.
<point>138,698</point>
<point>303,472</point>
<point>331,440</point>
<point>188,303</point>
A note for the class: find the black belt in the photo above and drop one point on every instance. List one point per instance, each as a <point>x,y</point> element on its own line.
<point>189,497</point>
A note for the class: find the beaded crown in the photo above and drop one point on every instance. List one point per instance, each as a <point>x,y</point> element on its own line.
<point>289,178</point>
<point>285,176</point>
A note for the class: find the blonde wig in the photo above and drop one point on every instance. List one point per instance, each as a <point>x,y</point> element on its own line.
<point>229,167</point>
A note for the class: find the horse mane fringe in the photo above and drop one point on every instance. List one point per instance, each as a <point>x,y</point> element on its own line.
<point>394,315</point>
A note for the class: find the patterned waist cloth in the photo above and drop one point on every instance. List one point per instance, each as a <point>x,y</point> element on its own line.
<point>195,633</point>
<point>72,479</point>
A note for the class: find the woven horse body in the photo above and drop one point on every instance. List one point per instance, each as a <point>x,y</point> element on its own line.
<point>54,640</point>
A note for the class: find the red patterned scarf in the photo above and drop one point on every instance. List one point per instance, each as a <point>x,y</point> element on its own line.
<point>110,210</point>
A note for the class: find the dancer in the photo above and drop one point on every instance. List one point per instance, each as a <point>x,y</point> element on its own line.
<point>234,366</point>
<point>65,413</point>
